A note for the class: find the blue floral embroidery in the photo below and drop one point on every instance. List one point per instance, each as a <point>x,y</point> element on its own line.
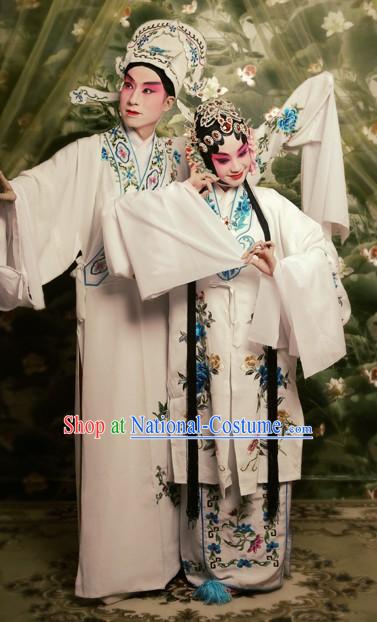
<point>247,563</point>
<point>287,122</point>
<point>194,55</point>
<point>202,376</point>
<point>195,87</point>
<point>280,377</point>
<point>240,220</point>
<point>243,528</point>
<point>263,371</point>
<point>271,546</point>
<point>154,50</point>
<point>177,156</point>
<point>213,517</point>
<point>241,213</point>
<point>200,331</point>
<point>104,154</point>
<point>216,548</point>
<point>142,40</point>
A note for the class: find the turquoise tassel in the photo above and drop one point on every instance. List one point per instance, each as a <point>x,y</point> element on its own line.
<point>213,592</point>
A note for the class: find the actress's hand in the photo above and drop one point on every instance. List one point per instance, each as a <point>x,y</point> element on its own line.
<point>202,182</point>
<point>261,255</point>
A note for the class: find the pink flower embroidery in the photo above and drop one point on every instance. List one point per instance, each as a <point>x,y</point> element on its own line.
<point>255,545</point>
<point>252,446</point>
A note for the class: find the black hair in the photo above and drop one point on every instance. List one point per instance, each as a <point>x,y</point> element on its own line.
<point>166,82</point>
<point>218,139</point>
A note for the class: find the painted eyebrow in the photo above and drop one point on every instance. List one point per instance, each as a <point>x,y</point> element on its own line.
<point>128,77</point>
<point>223,154</point>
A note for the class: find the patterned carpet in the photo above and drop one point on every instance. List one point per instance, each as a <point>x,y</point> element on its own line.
<point>333,572</point>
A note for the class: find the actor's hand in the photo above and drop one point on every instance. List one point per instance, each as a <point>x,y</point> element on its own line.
<point>202,182</point>
<point>261,255</point>
<point>6,191</point>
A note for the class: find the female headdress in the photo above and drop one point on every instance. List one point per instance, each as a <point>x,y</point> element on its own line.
<point>213,120</point>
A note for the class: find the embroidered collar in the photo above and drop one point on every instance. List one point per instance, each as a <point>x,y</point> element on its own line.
<point>238,222</point>
<point>120,154</point>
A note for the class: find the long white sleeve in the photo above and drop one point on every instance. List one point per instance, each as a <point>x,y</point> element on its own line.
<point>302,295</point>
<point>42,236</point>
<point>316,130</point>
<point>167,237</point>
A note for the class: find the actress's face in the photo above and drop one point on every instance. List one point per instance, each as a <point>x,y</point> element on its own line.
<point>232,162</point>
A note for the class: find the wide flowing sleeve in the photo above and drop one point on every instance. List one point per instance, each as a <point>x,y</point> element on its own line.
<point>308,120</point>
<point>41,235</point>
<point>304,296</point>
<point>166,237</point>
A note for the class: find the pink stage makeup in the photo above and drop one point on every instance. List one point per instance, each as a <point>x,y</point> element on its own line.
<point>232,163</point>
<point>143,100</point>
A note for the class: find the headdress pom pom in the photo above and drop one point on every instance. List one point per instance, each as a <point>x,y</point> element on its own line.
<point>213,592</point>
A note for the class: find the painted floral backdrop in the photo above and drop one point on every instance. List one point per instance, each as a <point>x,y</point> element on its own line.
<point>258,52</point>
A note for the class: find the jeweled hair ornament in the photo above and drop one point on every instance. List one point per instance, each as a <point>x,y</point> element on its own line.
<point>228,117</point>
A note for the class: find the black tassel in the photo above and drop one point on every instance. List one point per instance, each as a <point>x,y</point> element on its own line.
<point>273,485</point>
<point>192,509</point>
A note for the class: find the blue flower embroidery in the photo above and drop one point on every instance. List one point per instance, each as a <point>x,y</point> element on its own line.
<point>243,528</point>
<point>241,212</point>
<point>271,546</point>
<point>154,50</point>
<point>280,377</point>
<point>200,331</point>
<point>213,517</point>
<point>142,40</point>
<point>194,55</point>
<point>201,376</point>
<point>104,154</point>
<point>177,156</point>
<point>244,563</point>
<point>287,122</point>
<point>214,547</point>
<point>263,371</point>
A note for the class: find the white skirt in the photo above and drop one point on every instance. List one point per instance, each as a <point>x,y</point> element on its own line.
<point>233,541</point>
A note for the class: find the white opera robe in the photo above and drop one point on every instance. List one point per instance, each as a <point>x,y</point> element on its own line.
<point>128,514</point>
<point>300,310</point>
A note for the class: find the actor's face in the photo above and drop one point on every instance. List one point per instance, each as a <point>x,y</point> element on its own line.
<point>143,100</point>
<point>232,162</point>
